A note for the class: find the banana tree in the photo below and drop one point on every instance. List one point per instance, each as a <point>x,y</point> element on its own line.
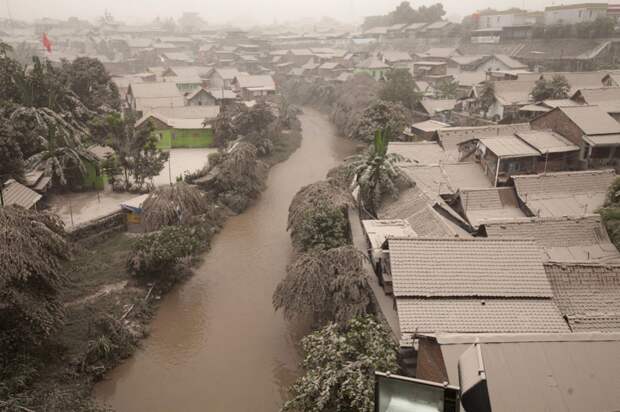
<point>378,172</point>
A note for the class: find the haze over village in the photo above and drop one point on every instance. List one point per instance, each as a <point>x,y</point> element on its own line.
<point>306,206</point>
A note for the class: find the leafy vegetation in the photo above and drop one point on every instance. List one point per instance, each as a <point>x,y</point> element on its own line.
<point>378,173</point>
<point>339,364</point>
<point>177,204</point>
<point>325,285</point>
<point>381,115</point>
<point>157,254</point>
<point>405,14</point>
<point>610,213</point>
<point>555,88</point>
<point>317,217</point>
<point>400,87</point>
<point>32,250</point>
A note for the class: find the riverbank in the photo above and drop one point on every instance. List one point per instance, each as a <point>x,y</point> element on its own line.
<point>217,334</point>
<point>108,313</point>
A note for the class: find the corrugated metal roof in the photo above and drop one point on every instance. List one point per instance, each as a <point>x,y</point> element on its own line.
<point>451,137</point>
<point>14,193</point>
<point>547,141</point>
<point>426,153</point>
<point>509,147</point>
<point>379,230</point>
<point>592,120</point>
<point>552,376</point>
<point>588,294</point>
<point>479,316</point>
<point>426,267</point>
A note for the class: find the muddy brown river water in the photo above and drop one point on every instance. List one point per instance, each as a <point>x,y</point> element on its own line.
<point>216,343</point>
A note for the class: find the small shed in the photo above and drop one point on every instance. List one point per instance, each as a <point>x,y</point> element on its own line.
<point>133,210</point>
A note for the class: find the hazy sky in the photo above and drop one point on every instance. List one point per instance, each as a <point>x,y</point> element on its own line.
<point>260,11</point>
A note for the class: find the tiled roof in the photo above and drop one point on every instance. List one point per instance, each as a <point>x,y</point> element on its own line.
<point>408,203</point>
<point>256,81</point>
<point>428,267</point>
<point>484,205</point>
<point>564,193</point>
<point>429,223</point>
<point>446,178</point>
<point>563,239</point>
<point>476,315</point>
<point>433,106</point>
<point>587,294</point>
<point>510,62</point>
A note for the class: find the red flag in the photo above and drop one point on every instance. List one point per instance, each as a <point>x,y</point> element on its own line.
<point>47,43</point>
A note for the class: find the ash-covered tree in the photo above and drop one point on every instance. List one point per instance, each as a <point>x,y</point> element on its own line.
<point>400,87</point>
<point>446,89</point>
<point>378,173</point>
<point>317,218</point>
<point>611,212</point>
<point>556,88</point>
<point>325,286</point>
<point>353,98</point>
<point>381,115</point>
<point>487,96</point>
<point>339,364</point>
<point>173,205</point>
<point>136,149</point>
<point>90,81</point>
<point>11,157</point>
<point>31,256</point>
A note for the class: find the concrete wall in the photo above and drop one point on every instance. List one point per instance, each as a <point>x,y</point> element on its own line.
<point>99,229</point>
<point>184,138</point>
<point>574,15</point>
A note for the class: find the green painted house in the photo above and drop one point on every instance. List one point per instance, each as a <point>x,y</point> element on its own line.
<point>182,127</point>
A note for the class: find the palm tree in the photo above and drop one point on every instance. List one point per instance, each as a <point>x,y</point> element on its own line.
<point>378,173</point>
<point>59,155</point>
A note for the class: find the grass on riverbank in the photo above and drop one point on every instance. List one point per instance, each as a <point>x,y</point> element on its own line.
<point>284,146</point>
<point>97,294</point>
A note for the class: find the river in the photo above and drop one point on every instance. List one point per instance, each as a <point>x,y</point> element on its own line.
<point>216,343</point>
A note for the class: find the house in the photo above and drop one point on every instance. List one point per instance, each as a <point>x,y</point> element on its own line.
<point>330,69</point>
<point>450,137</point>
<point>95,178</point>
<point>507,18</point>
<point>210,97</point>
<point>373,67</point>
<point>574,13</point>
<point>607,98</point>
<point>423,153</point>
<point>482,205</point>
<point>442,54</point>
<point>426,129</point>
<point>561,194</point>
<point>563,239</point>
<point>14,193</point>
<point>222,78</point>
<point>590,127</point>
<point>587,294</point>
<point>519,153</point>
<point>455,285</point>
<point>143,97</point>
<point>433,108</point>
<point>430,71</point>
<point>250,87</point>
<point>437,29</point>
<point>525,371</point>
<point>378,231</point>
<point>413,29</point>
<point>184,127</point>
<point>510,97</point>
<point>396,59</point>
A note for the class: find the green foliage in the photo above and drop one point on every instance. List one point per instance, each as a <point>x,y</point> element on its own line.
<point>381,115</point>
<point>339,366</point>
<point>400,87</point>
<point>378,173</point>
<point>111,342</point>
<point>318,217</point>
<point>32,250</point>
<point>157,254</point>
<point>556,88</point>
